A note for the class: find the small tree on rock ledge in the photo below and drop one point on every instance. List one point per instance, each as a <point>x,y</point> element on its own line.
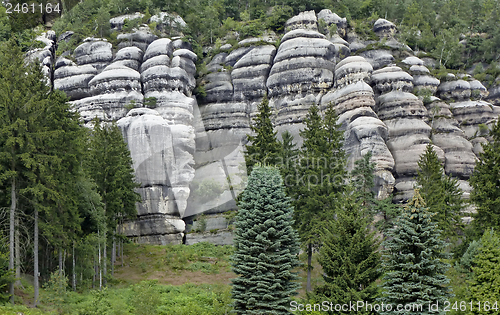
<point>266,247</point>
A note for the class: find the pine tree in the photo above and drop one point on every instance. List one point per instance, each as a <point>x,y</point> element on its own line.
<point>321,177</point>
<point>349,255</point>
<point>266,247</point>
<point>441,194</point>
<point>414,271</point>
<point>485,183</point>
<point>264,146</point>
<point>485,283</point>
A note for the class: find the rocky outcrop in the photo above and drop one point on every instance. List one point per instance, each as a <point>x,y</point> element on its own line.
<point>189,157</point>
<point>353,100</point>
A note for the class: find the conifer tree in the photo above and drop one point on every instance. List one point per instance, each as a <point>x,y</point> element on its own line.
<point>414,271</point>
<point>485,283</point>
<point>264,146</point>
<point>35,123</point>
<point>484,181</point>
<point>110,166</point>
<point>349,255</point>
<point>321,177</point>
<point>441,194</point>
<point>266,247</point>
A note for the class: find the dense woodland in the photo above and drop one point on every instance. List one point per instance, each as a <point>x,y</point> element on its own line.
<point>64,189</point>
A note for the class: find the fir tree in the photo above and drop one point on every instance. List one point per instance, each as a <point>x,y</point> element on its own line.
<point>485,283</point>
<point>349,255</point>
<point>485,183</point>
<point>266,247</point>
<point>441,194</point>
<point>264,146</point>
<point>322,175</point>
<point>414,271</point>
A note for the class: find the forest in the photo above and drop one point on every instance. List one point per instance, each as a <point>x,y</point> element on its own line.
<point>64,189</point>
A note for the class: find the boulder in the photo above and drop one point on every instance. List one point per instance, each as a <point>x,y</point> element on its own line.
<point>384,28</point>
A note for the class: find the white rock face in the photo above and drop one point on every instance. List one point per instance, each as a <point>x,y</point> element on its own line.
<point>189,159</point>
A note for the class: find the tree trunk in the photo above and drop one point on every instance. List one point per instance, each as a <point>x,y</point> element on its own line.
<point>105,258</point>
<point>35,258</point>
<point>60,262</point>
<point>121,248</point>
<point>113,256</point>
<point>11,234</point>
<point>99,260</point>
<point>309,267</point>
<point>74,267</point>
<point>17,249</point>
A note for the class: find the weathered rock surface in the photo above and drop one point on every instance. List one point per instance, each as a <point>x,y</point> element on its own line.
<point>189,159</point>
<point>384,28</point>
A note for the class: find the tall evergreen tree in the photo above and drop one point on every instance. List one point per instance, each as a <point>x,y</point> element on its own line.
<point>414,271</point>
<point>35,123</point>
<point>321,177</point>
<point>485,183</point>
<point>349,255</point>
<point>110,166</point>
<point>485,283</point>
<point>441,194</point>
<point>266,247</point>
<point>264,146</point>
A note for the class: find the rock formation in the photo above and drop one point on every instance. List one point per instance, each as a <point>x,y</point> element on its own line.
<point>188,151</point>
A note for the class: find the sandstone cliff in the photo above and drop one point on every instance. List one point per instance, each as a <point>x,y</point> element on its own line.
<point>188,152</point>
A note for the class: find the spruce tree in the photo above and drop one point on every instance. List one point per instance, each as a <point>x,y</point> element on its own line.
<point>485,283</point>
<point>35,124</point>
<point>264,146</point>
<point>266,247</point>
<point>109,164</point>
<point>349,255</point>
<point>321,177</point>
<point>414,271</point>
<point>441,194</point>
<point>485,183</point>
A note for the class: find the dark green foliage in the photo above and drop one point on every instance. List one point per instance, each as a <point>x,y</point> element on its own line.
<point>485,283</point>
<point>412,260</point>
<point>349,255</point>
<point>322,173</point>
<point>6,275</point>
<point>110,166</point>
<point>441,193</point>
<point>467,261</point>
<point>484,181</point>
<point>320,178</point>
<point>263,147</point>
<point>266,247</point>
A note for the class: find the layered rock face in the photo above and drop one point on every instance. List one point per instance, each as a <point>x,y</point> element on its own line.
<point>146,86</point>
<point>189,158</point>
